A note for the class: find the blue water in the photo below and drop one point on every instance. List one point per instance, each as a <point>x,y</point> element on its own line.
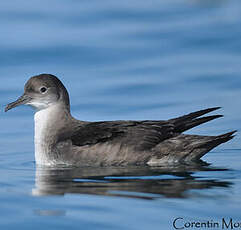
<point>121,60</point>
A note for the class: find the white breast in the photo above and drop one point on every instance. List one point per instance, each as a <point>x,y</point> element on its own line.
<point>43,123</point>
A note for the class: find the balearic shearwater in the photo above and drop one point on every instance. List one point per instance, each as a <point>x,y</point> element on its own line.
<point>60,139</point>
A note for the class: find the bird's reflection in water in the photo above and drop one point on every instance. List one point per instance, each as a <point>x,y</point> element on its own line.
<point>138,182</point>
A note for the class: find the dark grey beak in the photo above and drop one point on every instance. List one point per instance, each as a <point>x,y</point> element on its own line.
<point>20,101</point>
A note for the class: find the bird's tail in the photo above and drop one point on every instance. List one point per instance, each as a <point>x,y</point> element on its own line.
<point>186,148</point>
<point>208,143</point>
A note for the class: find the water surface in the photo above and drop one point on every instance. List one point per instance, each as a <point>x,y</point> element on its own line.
<point>121,60</point>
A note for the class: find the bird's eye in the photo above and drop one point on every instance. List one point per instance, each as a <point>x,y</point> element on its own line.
<point>43,89</point>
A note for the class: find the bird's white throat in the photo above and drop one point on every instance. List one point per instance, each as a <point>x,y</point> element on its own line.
<point>44,123</point>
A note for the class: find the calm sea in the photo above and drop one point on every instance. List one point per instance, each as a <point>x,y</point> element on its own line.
<point>121,60</point>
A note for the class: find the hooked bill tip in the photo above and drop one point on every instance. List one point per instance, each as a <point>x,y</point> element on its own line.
<point>8,107</point>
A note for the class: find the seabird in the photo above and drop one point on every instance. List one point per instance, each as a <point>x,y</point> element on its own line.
<point>60,139</point>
